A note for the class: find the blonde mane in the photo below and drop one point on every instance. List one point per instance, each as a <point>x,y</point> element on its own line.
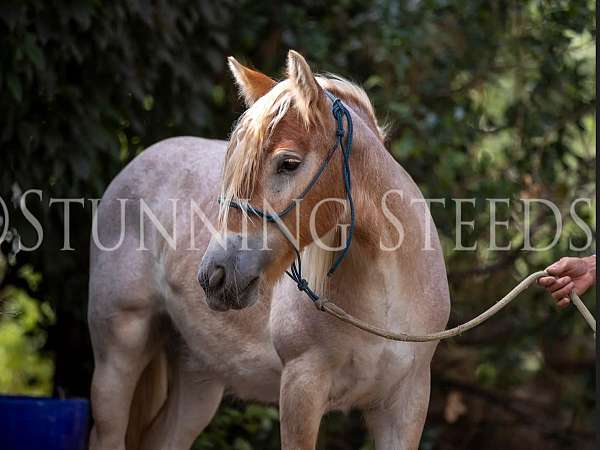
<point>250,138</point>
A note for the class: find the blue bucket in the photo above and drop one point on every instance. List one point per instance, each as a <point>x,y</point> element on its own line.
<point>35,423</point>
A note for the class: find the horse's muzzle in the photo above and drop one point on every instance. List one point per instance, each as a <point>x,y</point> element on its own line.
<point>230,275</point>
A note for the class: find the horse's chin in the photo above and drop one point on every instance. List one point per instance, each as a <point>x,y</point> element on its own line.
<point>229,299</point>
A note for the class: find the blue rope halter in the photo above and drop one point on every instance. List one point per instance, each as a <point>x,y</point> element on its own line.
<point>339,112</point>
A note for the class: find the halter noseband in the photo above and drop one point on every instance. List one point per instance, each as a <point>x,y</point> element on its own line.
<point>339,112</point>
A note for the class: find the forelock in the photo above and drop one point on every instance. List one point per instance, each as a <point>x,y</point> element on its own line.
<point>252,132</point>
<point>249,140</point>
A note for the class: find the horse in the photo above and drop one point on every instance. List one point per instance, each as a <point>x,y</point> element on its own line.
<point>188,296</point>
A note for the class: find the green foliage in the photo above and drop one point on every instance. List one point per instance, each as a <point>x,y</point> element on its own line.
<point>242,428</point>
<point>24,367</point>
<point>484,99</point>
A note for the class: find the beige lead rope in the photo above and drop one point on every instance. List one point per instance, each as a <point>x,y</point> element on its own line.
<point>336,311</point>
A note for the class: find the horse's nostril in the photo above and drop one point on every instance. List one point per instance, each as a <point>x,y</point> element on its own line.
<point>216,278</point>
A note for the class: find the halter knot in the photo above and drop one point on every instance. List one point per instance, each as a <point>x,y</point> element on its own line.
<point>337,109</point>
<point>302,284</point>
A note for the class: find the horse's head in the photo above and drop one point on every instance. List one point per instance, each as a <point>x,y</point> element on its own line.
<point>275,150</point>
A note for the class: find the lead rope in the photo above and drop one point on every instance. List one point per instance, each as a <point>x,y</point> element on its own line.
<point>295,273</point>
<point>336,311</point>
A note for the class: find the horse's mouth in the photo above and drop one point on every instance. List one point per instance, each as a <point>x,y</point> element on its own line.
<point>244,298</point>
<point>233,298</point>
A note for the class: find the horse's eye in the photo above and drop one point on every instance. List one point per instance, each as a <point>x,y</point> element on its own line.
<point>288,165</point>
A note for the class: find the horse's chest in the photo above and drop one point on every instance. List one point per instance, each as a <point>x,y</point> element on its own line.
<point>371,377</point>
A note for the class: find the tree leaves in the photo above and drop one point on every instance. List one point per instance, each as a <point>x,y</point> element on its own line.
<point>484,99</point>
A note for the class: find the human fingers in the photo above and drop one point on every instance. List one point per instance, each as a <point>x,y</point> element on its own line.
<point>559,284</point>
<point>546,281</point>
<point>563,292</point>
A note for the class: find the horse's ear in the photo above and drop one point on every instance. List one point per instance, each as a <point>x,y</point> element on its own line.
<point>252,84</point>
<point>298,71</point>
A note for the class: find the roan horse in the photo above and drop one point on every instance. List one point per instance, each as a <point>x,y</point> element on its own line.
<point>166,352</point>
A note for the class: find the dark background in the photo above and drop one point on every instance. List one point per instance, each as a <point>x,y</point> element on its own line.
<point>485,99</point>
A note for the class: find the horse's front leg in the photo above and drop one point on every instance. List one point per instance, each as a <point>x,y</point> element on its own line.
<point>305,386</point>
<point>398,425</point>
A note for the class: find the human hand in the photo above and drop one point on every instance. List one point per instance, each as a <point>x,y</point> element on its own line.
<point>569,274</point>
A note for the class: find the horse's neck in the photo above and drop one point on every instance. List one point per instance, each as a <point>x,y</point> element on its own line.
<point>369,285</point>
<point>374,280</point>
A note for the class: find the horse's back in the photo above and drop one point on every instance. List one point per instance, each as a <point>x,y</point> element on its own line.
<point>175,166</point>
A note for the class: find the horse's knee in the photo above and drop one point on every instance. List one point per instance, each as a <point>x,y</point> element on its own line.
<point>305,388</point>
<point>399,425</point>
